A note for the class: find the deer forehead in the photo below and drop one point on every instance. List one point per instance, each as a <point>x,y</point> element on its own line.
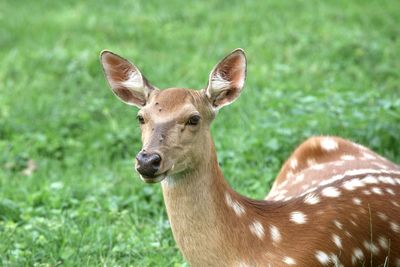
<point>173,104</point>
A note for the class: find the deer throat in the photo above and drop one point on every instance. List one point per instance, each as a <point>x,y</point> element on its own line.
<point>198,214</point>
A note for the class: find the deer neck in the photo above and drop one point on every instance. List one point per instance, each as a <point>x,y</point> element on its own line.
<point>208,219</point>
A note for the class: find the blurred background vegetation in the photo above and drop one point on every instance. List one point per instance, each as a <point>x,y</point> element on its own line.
<point>68,192</point>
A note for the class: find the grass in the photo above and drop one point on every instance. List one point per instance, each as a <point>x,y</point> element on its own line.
<point>315,67</point>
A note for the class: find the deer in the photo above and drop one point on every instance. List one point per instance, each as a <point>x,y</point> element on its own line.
<point>333,203</point>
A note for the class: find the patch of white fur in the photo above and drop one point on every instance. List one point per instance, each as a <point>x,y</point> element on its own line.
<point>387,180</point>
<point>289,175</point>
<point>311,162</point>
<point>338,163</point>
<point>395,227</point>
<point>337,240</point>
<point>236,206</point>
<point>358,255</point>
<point>330,192</point>
<point>257,229</point>
<point>369,179</point>
<point>293,163</point>
<point>289,261</point>
<point>366,192</point>
<point>383,216</point>
<point>353,184</point>
<point>347,157</point>
<point>383,242</point>
<point>318,167</point>
<point>298,217</point>
<point>380,165</point>
<point>390,191</point>
<point>377,190</point>
<point>299,178</point>
<point>367,155</point>
<point>311,199</point>
<point>322,257</point>
<point>283,184</point>
<point>275,234</point>
<point>357,201</point>
<point>371,247</point>
<point>338,224</point>
<point>328,144</point>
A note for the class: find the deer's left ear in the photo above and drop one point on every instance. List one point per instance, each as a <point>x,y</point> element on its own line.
<point>227,79</point>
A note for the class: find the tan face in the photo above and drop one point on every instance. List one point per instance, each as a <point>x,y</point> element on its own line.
<point>174,122</point>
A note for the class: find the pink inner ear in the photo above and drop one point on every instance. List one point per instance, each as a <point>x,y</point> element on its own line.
<point>226,97</point>
<point>129,96</point>
<point>233,69</point>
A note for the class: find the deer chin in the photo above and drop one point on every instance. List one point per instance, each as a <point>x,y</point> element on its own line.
<point>153,180</point>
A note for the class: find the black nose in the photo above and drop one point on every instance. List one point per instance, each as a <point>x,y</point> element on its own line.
<point>148,163</point>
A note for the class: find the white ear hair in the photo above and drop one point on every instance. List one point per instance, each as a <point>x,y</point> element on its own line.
<point>125,79</point>
<point>227,79</point>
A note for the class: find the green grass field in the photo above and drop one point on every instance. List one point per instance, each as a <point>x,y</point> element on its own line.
<point>315,67</point>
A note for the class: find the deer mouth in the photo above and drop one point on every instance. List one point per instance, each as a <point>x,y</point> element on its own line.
<point>152,180</point>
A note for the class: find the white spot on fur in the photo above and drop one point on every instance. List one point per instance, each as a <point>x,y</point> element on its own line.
<point>370,180</point>
<point>338,163</point>
<point>358,255</point>
<point>275,234</point>
<point>289,175</point>
<point>293,163</point>
<point>311,199</point>
<point>257,229</point>
<point>289,261</point>
<point>395,227</point>
<point>317,167</point>
<point>390,191</point>
<point>328,144</point>
<point>382,216</point>
<point>366,192</point>
<point>353,184</point>
<point>311,162</point>
<point>298,217</point>
<point>322,257</point>
<point>237,208</point>
<point>299,178</point>
<point>383,242</point>
<point>377,190</point>
<point>337,240</point>
<point>395,203</point>
<point>371,247</point>
<point>347,157</point>
<point>387,180</point>
<point>331,192</point>
<point>368,155</point>
<point>357,201</point>
<point>338,224</point>
<point>380,165</point>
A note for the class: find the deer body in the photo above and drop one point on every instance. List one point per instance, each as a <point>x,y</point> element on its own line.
<point>334,202</point>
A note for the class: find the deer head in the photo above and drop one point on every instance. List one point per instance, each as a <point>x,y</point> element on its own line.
<point>174,122</point>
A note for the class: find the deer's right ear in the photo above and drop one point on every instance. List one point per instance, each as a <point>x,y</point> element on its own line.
<point>227,79</point>
<point>125,79</point>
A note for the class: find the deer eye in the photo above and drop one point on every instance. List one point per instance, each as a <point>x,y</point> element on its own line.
<point>140,119</point>
<point>193,120</point>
